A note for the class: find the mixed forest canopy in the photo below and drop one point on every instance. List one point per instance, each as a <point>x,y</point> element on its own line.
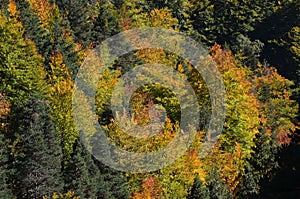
<point>255,45</point>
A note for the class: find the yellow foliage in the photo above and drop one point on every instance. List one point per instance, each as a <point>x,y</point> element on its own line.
<point>61,101</point>
<point>68,195</point>
<point>4,111</point>
<point>43,9</point>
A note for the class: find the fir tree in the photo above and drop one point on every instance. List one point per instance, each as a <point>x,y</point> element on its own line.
<point>3,5</point>
<point>198,190</point>
<point>214,188</point>
<point>63,43</point>
<point>115,186</point>
<point>79,14</point>
<point>106,23</point>
<point>81,174</point>
<point>5,191</point>
<point>34,29</point>
<point>217,188</point>
<point>36,153</point>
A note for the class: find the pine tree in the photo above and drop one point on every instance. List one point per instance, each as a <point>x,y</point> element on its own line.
<point>36,150</point>
<point>57,37</point>
<point>218,189</point>
<point>214,188</point>
<point>115,186</point>
<point>222,21</point>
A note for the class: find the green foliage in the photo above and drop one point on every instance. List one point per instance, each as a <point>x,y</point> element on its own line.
<point>277,32</point>
<point>79,13</point>
<point>217,188</point>
<point>198,190</point>
<point>80,173</point>
<point>88,179</point>
<point>106,23</point>
<point>33,29</point>
<point>62,42</point>
<point>222,21</point>
<point>5,172</point>
<point>247,51</point>
<point>213,188</point>
<point>4,6</point>
<point>35,150</point>
<point>21,69</point>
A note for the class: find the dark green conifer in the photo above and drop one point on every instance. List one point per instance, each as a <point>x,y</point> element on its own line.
<point>198,190</point>
<point>79,14</point>
<point>5,171</point>
<point>36,152</point>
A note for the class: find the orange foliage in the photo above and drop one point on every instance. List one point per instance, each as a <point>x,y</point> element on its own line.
<point>4,111</point>
<point>150,190</point>
<point>12,8</point>
<point>43,9</point>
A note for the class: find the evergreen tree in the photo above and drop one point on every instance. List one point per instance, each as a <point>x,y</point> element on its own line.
<point>58,37</point>
<point>33,28</point>
<point>36,153</point>
<point>115,186</point>
<point>79,14</point>
<point>63,43</point>
<point>214,188</point>
<point>5,191</point>
<point>87,180</point>
<point>81,173</point>
<point>198,190</point>
<point>247,51</point>
<point>217,188</point>
<point>106,23</point>
<point>222,21</point>
<point>4,5</point>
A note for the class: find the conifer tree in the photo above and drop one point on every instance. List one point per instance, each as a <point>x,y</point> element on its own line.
<point>36,154</point>
<point>63,42</point>
<point>4,5</point>
<point>33,28</point>
<point>198,190</point>
<point>79,14</point>
<point>5,191</point>
<point>106,23</point>
<point>81,173</point>
<point>48,40</point>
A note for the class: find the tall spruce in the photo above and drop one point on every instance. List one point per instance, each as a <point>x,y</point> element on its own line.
<point>79,14</point>
<point>106,23</point>
<point>198,190</point>
<point>80,173</point>
<point>33,28</point>
<point>5,171</point>
<point>37,154</point>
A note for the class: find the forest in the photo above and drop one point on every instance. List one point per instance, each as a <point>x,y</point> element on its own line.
<point>253,44</point>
